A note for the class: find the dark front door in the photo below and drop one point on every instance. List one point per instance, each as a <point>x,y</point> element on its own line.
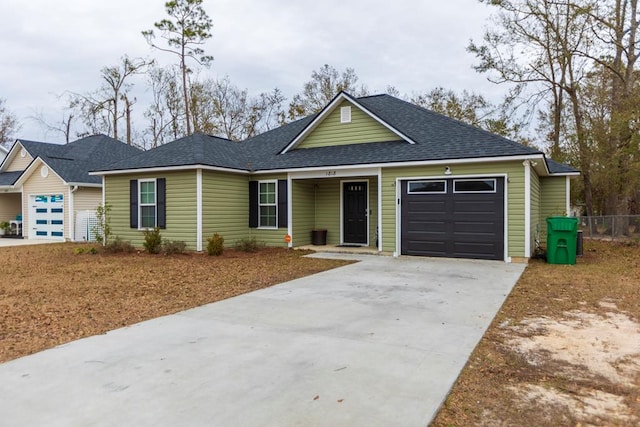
<point>355,213</point>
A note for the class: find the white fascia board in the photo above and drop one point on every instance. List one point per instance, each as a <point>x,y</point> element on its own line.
<point>17,146</point>
<point>328,109</point>
<point>85,184</point>
<point>403,164</point>
<point>169,169</point>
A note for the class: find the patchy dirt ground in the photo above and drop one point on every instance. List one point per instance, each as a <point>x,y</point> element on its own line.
<point>50,295</point>
<point>563,350</point>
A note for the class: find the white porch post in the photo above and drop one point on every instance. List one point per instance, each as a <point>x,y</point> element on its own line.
<point>527,208</point>
<point>290,210</point>
<point>379,209</point>
<point>199,210</point>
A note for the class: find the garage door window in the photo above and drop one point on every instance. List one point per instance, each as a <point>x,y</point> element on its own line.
<point>474,186</point>
<point>427,187</point>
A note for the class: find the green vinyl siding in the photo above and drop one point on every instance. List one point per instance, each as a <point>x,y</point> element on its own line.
<point>181,206</point>
<point>327,207</point>
<point>361,129</point>
<point>536,220</point>
<point>514,190</point>
<point>225,206</point>
<point>303,192</point>
<point>269,236</point>
<point>553,200</point>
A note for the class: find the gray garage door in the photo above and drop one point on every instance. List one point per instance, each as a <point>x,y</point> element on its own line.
<point>457,218</point>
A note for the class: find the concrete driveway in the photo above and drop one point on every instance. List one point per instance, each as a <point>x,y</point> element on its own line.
<point>376,343</point>
<point>6,242</point>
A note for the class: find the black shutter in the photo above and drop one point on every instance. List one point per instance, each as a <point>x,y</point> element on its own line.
<point>253,204</point>
<point>282,203</point>
<point>133,203</point>
<point>161,203</point>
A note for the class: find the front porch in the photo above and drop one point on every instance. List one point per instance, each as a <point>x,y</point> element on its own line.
<point>11,212</point>
<point>345,206</point>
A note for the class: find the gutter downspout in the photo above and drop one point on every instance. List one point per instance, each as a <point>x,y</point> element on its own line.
<point>72,216</point>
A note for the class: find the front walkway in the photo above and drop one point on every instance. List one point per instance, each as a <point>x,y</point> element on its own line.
<point>13,241</point>
<point>379,342</point>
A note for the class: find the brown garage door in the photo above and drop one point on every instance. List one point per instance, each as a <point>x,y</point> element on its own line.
<point>453,217</point>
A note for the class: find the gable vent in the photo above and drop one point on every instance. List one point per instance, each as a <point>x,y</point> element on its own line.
<point>345,114</point>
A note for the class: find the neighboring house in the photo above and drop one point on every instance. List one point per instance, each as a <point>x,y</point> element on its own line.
<point>373,171</point>
<point>3,153</point>
<point>43,186</point>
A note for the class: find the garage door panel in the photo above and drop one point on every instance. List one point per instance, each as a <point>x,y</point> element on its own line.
<point>427,226</point>
<point>47,217</point>
<point>427,247</point>
<point>458,225</point>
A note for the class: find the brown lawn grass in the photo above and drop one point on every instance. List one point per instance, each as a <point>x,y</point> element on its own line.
<point>550,354</point>
<point>50,295</point>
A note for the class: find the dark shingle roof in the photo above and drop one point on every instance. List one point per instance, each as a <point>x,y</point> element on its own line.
<point>73,161</point>
<point>196,149</point>
<point>559,168</point>
<point>9,178</point>
<point>436,137</point>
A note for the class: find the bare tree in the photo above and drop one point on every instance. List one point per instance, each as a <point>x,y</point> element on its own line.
<point>115,90</point>
<point>9,125</point>
<point>189,29</point>
<point>538,45</point>
<point>222,108</point>
<point>166,108</point>
<point>324,85</point>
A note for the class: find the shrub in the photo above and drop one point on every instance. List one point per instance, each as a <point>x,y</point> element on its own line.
<point>152,240</point>
<point>78,251</point>
<point>215,245</point>
<point>249,245</point>
<point>92,251</point>
<point>118,245</point>
<point>102,230</point>
<point>172,247</point>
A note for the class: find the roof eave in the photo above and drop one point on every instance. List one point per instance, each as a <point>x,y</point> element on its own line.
<point>166,169</point>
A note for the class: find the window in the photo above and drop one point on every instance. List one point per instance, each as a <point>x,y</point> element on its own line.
<point>345,114</point>
<point>147,203</point>
<point>474,186</point>
<point>421,187</point>
<point>267,202</point>
<point>147,199</point>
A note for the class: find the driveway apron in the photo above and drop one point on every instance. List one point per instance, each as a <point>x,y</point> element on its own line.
<point>376,343</point>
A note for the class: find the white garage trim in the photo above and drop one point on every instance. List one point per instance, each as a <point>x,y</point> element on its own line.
<point>527,208</point>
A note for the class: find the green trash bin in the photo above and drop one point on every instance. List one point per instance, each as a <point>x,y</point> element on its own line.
<point>562,233</point>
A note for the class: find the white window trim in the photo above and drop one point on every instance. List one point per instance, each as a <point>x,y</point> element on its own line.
<point>345,114</point>
<point>267,227</point>
<point>495,184</point>
<point>427,192</point>
<point>140,205</point>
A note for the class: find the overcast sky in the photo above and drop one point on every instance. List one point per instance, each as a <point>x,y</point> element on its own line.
<point>49,47</point>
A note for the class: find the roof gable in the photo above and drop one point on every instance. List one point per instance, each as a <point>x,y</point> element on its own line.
<point>36,165</point>
<point>359,129</point>
<point>326,128</point>
<point>18,159</point>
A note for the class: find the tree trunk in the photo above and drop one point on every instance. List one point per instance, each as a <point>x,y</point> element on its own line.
<point>128,118</point>
<point>185,92</point>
